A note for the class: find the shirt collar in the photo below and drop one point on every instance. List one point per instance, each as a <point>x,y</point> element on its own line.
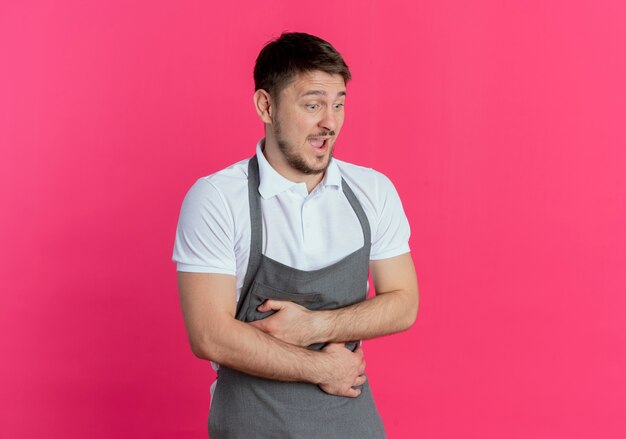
<point>271,183</point>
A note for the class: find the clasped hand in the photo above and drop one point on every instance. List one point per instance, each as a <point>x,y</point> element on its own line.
<point>300,326</point>
<point>290,323</point>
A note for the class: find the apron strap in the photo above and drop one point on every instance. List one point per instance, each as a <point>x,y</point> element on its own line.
<point>360,213</point>
<point>256,224</point>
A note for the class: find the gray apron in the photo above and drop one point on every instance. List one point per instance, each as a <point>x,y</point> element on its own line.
<point>245,406</point>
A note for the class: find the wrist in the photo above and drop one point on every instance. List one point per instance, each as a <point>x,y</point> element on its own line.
<point>318,368</point>
<point>321,327</point>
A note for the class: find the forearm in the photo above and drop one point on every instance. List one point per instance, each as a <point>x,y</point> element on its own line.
<point>240,346</point>
<point>393,309</point>
<point>383,314</point>
<point>208,305</point>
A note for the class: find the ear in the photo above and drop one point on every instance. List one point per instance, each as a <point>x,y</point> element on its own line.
<point>263,105</point>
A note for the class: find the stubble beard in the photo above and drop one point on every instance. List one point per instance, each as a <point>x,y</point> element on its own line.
<point>295,160</point>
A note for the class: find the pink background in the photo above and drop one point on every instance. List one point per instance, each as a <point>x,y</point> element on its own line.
<point>501,124</point>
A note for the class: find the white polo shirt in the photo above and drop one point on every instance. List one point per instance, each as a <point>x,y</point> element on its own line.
<point>303,230</point>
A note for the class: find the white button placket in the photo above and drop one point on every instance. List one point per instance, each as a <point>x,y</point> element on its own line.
<point>306,224</point>
<point>308,229</point>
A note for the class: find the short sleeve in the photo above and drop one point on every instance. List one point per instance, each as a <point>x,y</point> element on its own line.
<point>204,236</point>
<point>390,235</point>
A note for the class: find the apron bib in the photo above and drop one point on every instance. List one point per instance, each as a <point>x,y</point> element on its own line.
<point>245,406</point>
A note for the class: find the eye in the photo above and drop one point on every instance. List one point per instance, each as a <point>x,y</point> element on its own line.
<point>338,106</point>
<point>312,106</point>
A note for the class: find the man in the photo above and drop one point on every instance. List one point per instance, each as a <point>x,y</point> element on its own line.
<point>273,256</point>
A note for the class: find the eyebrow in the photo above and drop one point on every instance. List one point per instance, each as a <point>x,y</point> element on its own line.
<point>321,93</point>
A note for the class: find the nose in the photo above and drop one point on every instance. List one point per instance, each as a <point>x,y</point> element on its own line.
<point>329,120</point>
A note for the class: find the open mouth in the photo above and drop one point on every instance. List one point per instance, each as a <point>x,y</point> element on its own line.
<point>319,143</point>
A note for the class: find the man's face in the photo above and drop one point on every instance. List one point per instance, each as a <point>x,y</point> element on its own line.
<point>308,120</point>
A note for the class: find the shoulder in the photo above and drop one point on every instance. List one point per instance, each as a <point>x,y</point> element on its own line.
<point>218,199</point>
<point>209,221</point>
<point>227,184</point>
<point>235,174</point>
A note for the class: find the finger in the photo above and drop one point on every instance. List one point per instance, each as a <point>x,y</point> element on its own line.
<point>270,305</point>
<point>360,380</point>
<point>352,393</point>
<point>263,307</point>
<point>362,368</point>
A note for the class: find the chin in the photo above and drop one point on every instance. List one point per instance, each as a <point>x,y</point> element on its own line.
<point>321,167</point>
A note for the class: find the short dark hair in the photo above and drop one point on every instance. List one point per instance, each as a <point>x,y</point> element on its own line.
<point>293,53</point>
